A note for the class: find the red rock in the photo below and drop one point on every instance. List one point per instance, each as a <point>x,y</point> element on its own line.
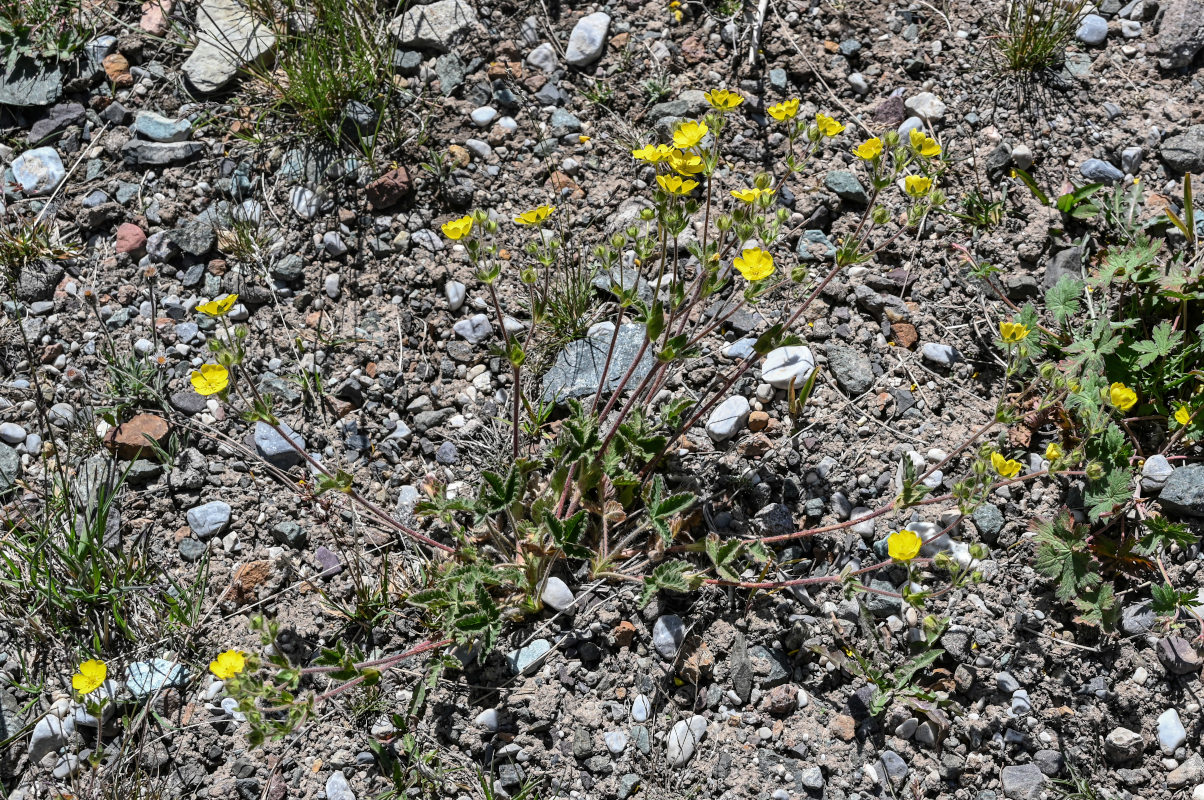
<point>130,238</point>
<point>757,421</point>
<point>118,70</point>
<point>129,439</point>
<point>843,727</point>
<point>389,189</point>
<point>154,16</point>
<point>904,334</point>
<point>781,700</point>
<point>247,580</point>
<point>623,634</point>
<point>559,181</point>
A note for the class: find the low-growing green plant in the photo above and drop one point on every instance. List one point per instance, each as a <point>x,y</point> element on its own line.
<point>41,29</point>
<point>1032,35</point>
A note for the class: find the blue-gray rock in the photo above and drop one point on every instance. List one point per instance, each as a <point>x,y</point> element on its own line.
<point>210,519</point>
<point>777,78</point>
<point>274,448</point>
<point>1171,733</point>
<point>1185,152</point>
<point>228,38</point>
<point>141,153</point>
<point>942,354</point>
<point>544,58</point>
<point>1183,492</point>
<point>728,418</point>
<point>158,128</point>
<point>577,369</point>
<point>10,467</point>
<point>989,521</point>
<point>563,122</point>
<point>1093,29</point>
<point>775,670</point>
<point>846,186</point>
<point>628,784</point>
<point>433,26</point>
<point>1022,782</point>
<point>522,658</point>
<point>892,769</point>
<point>191,550</point>
<point>144,678</point>
<point>475,329</point>
<point>667,635</point>
<point>337,787</point>
<point>814,246</point>
<point>289,534</point>
<point>483,116</point>
<point>1093,169</point>
<point>38,171</point>
<point>851,368</point>
<point>31,82</point>
<point>557,594</point>
<point>49,735</point>
<point>1155,473</point>
<point>1137,618</point>
<point>588,39</point>
<point>446,454</point>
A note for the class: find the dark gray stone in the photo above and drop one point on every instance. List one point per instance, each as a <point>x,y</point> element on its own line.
<point>846,186</point>
<point>139,153</point>
<point>1093,169</point>
<point>851,368</point>
<point>1022,782</point>
<point>779,668</point>
<point>290,534</point>
<point>1183,492</point>
<point>10,467</point>
<point>274,448</point>
<point>989,521</point>
<point>577,371</point>
<point>1185,152</point>
<point>740,668</point>
<point>60,117</point>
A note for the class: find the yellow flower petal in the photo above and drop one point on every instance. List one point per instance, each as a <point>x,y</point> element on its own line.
<point>1122,396</point>
<point>228,664</point>
<point>1006,467</point>
<point>869,149</point>
<point>785,110</point>
<point>689,134</point>
<point>457,229</point>
<point>748,195</point>
<point>1053,451</point>
<point>1013,332</point>
<point>1182,416</point>
<point>535,215</point>
<point>828,126</point>
<point>218,308</point>
<point>675,185</point>
<point>685,163</point>
<point>917,185</point>
<point>723,100</point>
<point>90,677</point>
<point>754,264</point>
<point>210,379</point>
<point>903,545</point>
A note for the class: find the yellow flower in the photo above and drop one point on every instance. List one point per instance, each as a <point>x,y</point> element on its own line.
<point>903,545</point>
<point>685,163</point>
<point>1013,332</point>
<point>675,185</point>
<point>784,111</point>
<point>1182,416</point>
<point>535,215</point>
<point>923,144</point>
<point>917,185</point>
<point>228,664</point>
<point>90,676</point>
<point>1122,396</point>
<point>1053,451</point>
<point>457,229</point>
<point>652,153</point>
<point>869,149</point>
<point>1006,467</point>
<point>754,264</point>
<point>210,379</point>
<point>218,308</point>
<point>750,195</point>
<point>827,125</point>
<point>689,134</point>
<point>583,138</point>
<point>723,100</point>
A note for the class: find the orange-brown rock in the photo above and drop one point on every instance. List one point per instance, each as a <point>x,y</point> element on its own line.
<point>129,440</point>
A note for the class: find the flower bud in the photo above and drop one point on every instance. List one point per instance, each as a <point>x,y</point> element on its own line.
<point>1095,471</point>
<point>646,214</point>
<point>1048,370</point>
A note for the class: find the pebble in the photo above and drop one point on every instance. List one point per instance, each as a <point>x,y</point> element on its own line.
<point>12,433</point>
<point>728,418</point>
<point>1022,782</point>
<point>455,293</point>
<point>1123,745</point>
<point>588,39</point>
<point>274,448</point>
<point>616,742</point>
<point>667,635</point>
<point>475,329</point>
<point>786,364</point>
<point>144,678</point>
<point>683,738</point>
<point>38,171</point>
<point>483,116</point>
<point>641,708</point>
<point>1093,29</point>
<point>208,520</point>
<point>942,354</point>
<point>926,105</point>
<point>557,594</point>
<point>1094,169</point>
<point>49,735</point>
<point>522,658</point>
<point>1171,733</point>
<point>158,128</point>
<point>337,787</point>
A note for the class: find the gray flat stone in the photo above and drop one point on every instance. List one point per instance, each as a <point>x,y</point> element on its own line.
<point>434,26</point>
<point>228,38</point>
<point>577,370</point>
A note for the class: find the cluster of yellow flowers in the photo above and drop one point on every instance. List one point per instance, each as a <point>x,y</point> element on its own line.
<point>457,229</point>
<point>91,674</point>
<point>213,378</point>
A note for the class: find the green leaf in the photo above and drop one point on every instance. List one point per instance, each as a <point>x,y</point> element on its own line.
<point>1062,556</point>
<point>672,575</point>
<point>1062,301</point>
<point>1028,181</point>
<point>1165,342</point>
<point>1162,535</point>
